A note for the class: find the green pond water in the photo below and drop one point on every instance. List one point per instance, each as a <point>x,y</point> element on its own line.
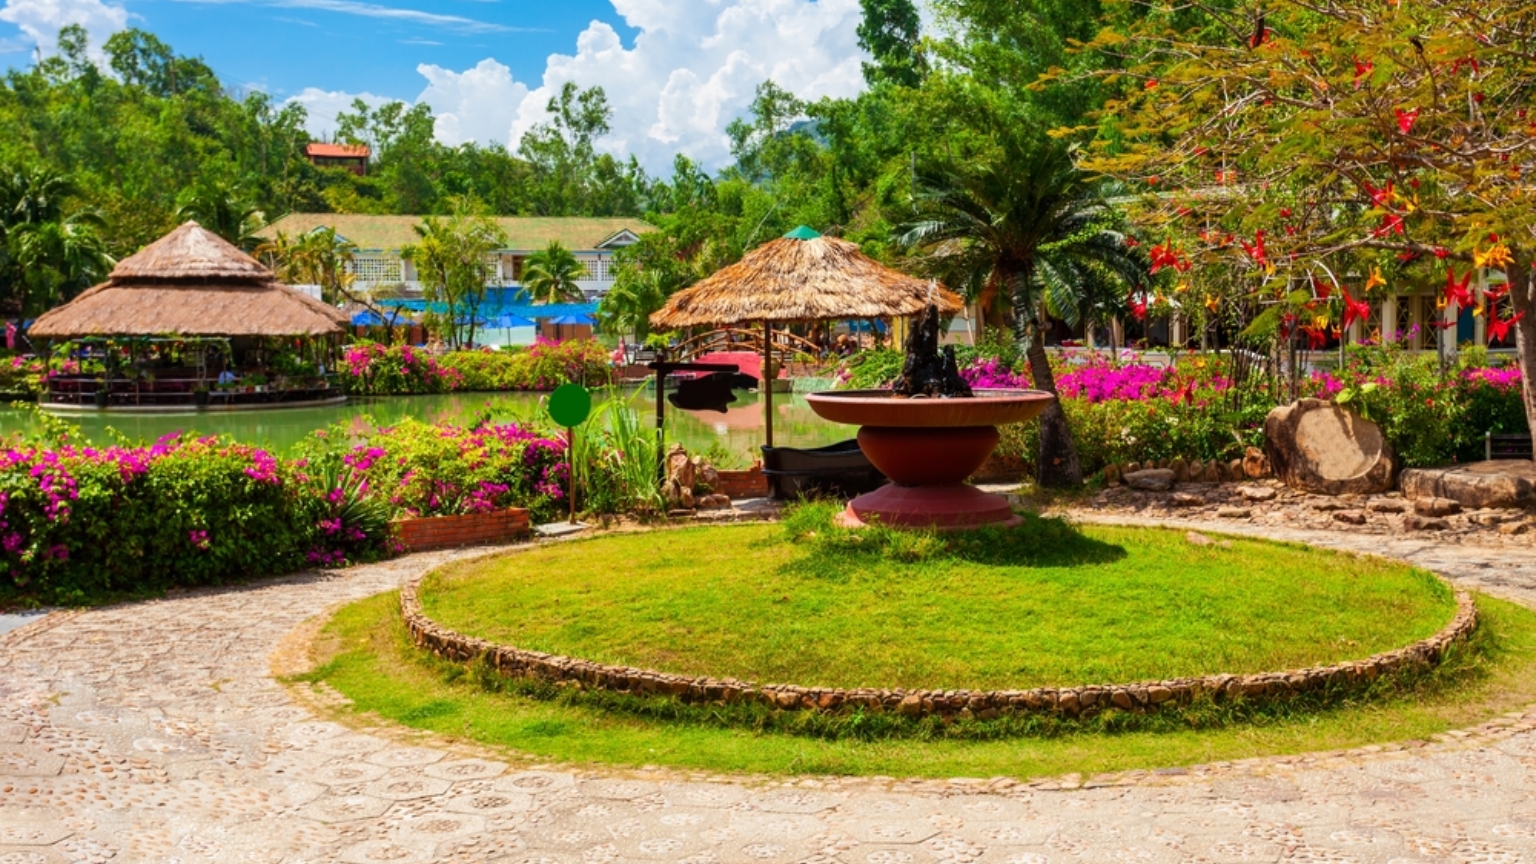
<point>739,430</point>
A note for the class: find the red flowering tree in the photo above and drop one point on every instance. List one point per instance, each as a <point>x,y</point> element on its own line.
<point>1303,140</point>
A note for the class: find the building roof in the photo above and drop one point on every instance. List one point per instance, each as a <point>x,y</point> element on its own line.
<point>191,282</point>
<point>523,233</point>
<point>336,151</point>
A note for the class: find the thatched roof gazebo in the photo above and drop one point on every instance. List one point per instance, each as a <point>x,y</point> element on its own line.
<point>191,282</point>
<point>802,276</point>
<point>190,286</point>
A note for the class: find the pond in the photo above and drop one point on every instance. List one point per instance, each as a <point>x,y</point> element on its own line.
<point>739,430</point>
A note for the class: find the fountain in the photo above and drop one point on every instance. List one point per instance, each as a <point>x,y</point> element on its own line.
<point>929,433</point>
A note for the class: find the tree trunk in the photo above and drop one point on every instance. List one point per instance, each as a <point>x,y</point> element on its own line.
<point>1056,462</point>
<point>1522,294</point>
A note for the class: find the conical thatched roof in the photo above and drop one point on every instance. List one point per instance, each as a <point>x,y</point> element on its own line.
<point>802,276</point>
<point>191,282</point>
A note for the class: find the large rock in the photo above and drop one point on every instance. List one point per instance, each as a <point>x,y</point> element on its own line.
<point>1326,449</point>
<point>1150,480</point>
<point>1503,483</point>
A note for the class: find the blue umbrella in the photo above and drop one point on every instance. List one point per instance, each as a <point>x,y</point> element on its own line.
<point>508,321</point>
<point>368,319</point>
<point>574,319</point>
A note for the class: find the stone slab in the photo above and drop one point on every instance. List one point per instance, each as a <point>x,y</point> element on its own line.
<point>1502,483</point>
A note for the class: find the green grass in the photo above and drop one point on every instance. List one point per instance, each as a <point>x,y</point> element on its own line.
<point>365,654</point>
<point>1043,605</point>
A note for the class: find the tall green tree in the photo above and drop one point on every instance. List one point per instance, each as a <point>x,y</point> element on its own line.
<point>890,31</point>
<point>568,176</point>
<point>223,209</point>
<point>453,258</point>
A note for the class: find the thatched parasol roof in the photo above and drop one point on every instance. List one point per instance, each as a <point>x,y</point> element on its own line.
<point>191,282</point>
<point>802,276</point>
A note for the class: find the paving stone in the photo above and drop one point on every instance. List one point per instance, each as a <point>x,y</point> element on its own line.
<point>405,787</point>
<point>154,732</point>
<point>464,769</point>
<point>347,773</point>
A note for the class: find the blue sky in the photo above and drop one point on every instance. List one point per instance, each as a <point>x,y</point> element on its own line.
<point>286,47</point>
<point>675,71</point>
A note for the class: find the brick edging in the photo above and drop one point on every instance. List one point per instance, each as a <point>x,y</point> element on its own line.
<point>424,534</point>
<point>1070,701</point>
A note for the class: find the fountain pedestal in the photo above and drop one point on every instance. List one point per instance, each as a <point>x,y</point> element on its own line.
<point>928,447</point>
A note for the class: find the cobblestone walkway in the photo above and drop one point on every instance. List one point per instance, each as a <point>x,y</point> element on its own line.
<point>154,733</point>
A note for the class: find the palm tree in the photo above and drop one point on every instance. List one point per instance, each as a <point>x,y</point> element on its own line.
<point>223,209</point>
<point>58,260</point>
<point>550,275</point>
<point>46,254</point>
<point>628,305</point>
<point>1031,232</point>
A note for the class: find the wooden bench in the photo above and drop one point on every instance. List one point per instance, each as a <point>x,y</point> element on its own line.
<point>1506,446</point>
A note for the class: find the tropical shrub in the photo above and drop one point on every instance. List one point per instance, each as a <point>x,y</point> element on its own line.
<point>78,521</point>
<point>425,470</point>
<point>375,370</point>
<point>21,375</point>
<point>544,365</point>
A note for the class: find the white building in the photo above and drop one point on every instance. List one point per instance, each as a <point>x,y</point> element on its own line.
<point>379,239</point>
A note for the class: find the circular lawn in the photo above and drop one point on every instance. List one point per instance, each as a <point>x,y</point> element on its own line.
<point>1045,604</point>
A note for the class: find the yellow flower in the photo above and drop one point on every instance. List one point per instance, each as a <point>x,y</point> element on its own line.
<point>1376,279</point>
<point>1181,287</point>
<point>1477,310</point>
<point>1212,302</point>
<point>1496,256</point>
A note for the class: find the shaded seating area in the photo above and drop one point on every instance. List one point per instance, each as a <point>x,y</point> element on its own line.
<point>190,321</point>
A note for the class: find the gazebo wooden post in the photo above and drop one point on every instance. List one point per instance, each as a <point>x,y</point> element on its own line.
<point>768,379</point>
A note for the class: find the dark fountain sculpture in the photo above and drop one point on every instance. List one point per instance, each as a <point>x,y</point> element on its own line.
<point>928,434</point>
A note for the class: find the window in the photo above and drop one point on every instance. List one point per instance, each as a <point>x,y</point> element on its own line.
<point>376,269</point>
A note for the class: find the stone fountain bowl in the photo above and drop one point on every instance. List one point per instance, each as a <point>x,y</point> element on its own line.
<point>881,408</point>
<point>928,447</point>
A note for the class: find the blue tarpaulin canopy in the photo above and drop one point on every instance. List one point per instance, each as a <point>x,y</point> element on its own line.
<point>575,319</point>
<point>371,319</point>
<point>491,310</point>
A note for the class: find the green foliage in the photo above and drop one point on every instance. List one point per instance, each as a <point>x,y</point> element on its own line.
<point>551,274</point>
<point>86,523</point>
<point>890,32</point>
<point>616,460</point>
<point>452,258</point>
<point>544,365</point>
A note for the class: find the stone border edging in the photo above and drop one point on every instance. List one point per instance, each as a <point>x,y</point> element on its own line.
<point>1081,701</point>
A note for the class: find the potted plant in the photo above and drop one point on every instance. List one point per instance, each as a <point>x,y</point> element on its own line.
<point>258,381</point>
<point>102,394</point>
<point>200,395</point>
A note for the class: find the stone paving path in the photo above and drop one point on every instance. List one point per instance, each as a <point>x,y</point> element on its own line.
<point>155,733</point>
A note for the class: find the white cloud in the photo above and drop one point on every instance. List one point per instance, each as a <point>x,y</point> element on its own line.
<point>374,10</point>
<point>694,67</point>
<point>324,105</point>
<point>41,20</point>
<point>478,104</point>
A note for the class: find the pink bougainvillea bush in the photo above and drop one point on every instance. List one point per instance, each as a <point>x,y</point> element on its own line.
<point>78,521</point>
<point>428,470</point>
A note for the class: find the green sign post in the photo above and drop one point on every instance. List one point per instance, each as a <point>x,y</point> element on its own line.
<point>569,406</point>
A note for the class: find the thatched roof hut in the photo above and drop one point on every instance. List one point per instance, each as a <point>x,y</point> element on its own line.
<point>191,282</point>
<point>803,276</point>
